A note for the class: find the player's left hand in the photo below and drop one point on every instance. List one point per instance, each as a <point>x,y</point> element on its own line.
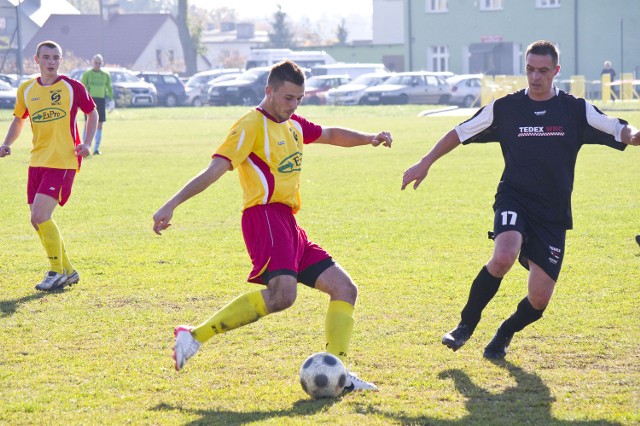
<point>383,138</point>
<point>82,150</point>
<point>635,137</point>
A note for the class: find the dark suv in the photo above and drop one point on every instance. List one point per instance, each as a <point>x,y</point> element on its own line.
<point>171,90</point>
<point>247,89</point>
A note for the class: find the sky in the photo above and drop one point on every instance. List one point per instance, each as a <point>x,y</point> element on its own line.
<point>357,13</point>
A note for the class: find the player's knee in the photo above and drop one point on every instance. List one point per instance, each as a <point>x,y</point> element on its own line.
<point>345,290</point>
<point>281,301</point>
<point>539,301</point>
<point>501,263</point>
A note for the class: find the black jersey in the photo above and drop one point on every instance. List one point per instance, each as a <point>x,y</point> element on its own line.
<point>540,143</point>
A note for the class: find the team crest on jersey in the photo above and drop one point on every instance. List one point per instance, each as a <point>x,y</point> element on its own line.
<point>294,134</point>
<point>48,114</point>
<point>55,98</point>
<point>291,164</point>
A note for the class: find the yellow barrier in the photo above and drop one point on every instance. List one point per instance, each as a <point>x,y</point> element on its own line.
<point>500,85</point>
<point>577,86</point>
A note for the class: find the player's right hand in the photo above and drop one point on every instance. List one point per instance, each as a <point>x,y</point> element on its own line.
<point>161,219</point>
<point>4,151</point>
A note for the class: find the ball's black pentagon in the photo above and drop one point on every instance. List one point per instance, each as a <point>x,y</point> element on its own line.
<point>342,380</point>
<point>307,363</point>
<point>321,380</point>
<point>304,386</point>
<point>330,360</point>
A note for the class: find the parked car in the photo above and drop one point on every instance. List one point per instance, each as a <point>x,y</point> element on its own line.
<point>197,86</point>
<point>352,70</point>
<point>466,89</point>
<point>316,88</point>
<point>351,93</point>
<point>12,79</point>
<point>417,87</point>
<point>171,90</point>
<point>7,95</point>
<point>247,89</point>
<point>128,89</point>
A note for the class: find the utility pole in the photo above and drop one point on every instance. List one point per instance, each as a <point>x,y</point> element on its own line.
<point>19,59</point>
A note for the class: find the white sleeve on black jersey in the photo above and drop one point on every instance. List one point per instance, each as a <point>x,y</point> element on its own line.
<point>476,124</point>
<point>603,122</point>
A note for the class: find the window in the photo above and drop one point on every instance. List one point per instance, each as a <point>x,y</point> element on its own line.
<point>491,4</point>
<point>438,58</point>
<point>547,3</point>
<point>436,6</point>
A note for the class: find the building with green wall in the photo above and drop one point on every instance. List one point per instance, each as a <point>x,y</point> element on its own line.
<point>490,36</point>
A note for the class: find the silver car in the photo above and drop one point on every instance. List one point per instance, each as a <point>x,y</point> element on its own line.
<point>466,89</point>
<point>417,87</point>
<point>351,93</point>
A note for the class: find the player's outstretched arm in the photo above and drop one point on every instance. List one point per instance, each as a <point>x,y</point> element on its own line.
<point>340,136</point>
<point>418,172</point>
<point>217,167</point>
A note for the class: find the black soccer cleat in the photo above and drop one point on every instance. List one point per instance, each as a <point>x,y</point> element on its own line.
<point>457,337</point>
<point>497,347</point>
<point>638,239</point>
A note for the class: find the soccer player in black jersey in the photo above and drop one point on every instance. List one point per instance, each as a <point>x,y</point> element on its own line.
<point>540,130</point>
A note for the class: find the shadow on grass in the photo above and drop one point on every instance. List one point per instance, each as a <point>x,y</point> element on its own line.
<point>301,408</point>
<point>9,307</point>
<point>529,402</point>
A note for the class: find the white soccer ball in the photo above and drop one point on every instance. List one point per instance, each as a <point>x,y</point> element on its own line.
<point>323,375</point>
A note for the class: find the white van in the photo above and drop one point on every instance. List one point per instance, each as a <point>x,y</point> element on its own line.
<point>352,70</point>
<point>304,58</point>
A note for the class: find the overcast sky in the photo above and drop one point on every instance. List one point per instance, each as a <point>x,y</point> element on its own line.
<point>357,13</point>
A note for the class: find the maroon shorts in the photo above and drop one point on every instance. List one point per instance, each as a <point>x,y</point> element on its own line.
<point>55,183</point>
<point>278,246</point>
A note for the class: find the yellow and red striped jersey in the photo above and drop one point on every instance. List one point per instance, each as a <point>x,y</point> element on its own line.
<point>53,111</point>
<point>268,156</point>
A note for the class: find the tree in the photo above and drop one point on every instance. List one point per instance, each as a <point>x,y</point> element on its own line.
<point>281,35</point>
<point>189,37</point>
<point>342,33</point>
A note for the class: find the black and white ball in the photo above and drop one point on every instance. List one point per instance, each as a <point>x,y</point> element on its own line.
<point>323,375</point>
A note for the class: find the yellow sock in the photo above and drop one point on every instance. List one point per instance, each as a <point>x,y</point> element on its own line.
<point>52,242</point>
<point>338,328</point>
<point>66,263</point>
<point>248,308</point>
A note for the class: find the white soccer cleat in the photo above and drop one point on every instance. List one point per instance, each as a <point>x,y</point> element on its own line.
<point>354,383</point>
<point>185,347</point>
<point>52,281</point>
<point>72,278</point>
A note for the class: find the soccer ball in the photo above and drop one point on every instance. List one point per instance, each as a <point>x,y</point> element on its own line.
<point>323,375</point>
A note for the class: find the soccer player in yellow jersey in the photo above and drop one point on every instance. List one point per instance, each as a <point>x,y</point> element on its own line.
<point>265,146</point>
<point>52,102</point>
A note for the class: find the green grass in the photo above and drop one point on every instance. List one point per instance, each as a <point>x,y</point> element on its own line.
<point>100,352</point>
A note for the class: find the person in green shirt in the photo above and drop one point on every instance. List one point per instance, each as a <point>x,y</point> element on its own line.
<point>98,84</point>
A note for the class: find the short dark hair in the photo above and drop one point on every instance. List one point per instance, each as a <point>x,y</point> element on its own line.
<point>543,47</point>
<point>286,70</point>
<point>50,44</point>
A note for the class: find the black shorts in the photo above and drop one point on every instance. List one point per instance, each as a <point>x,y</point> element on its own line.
<point>543,243</point>
<point>101,107</point>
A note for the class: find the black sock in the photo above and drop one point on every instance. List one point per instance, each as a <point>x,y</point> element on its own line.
<point>524,315</point>
<point>483,288</point>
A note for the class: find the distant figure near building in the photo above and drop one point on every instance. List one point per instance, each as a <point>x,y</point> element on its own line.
<point>98,84</point>
<point>612,77</point>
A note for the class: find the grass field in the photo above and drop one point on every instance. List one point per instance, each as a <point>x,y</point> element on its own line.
<point>100,352</point>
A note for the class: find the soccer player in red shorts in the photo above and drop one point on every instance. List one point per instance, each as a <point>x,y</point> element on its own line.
<point>266,146</point>
<point>52,102</point>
